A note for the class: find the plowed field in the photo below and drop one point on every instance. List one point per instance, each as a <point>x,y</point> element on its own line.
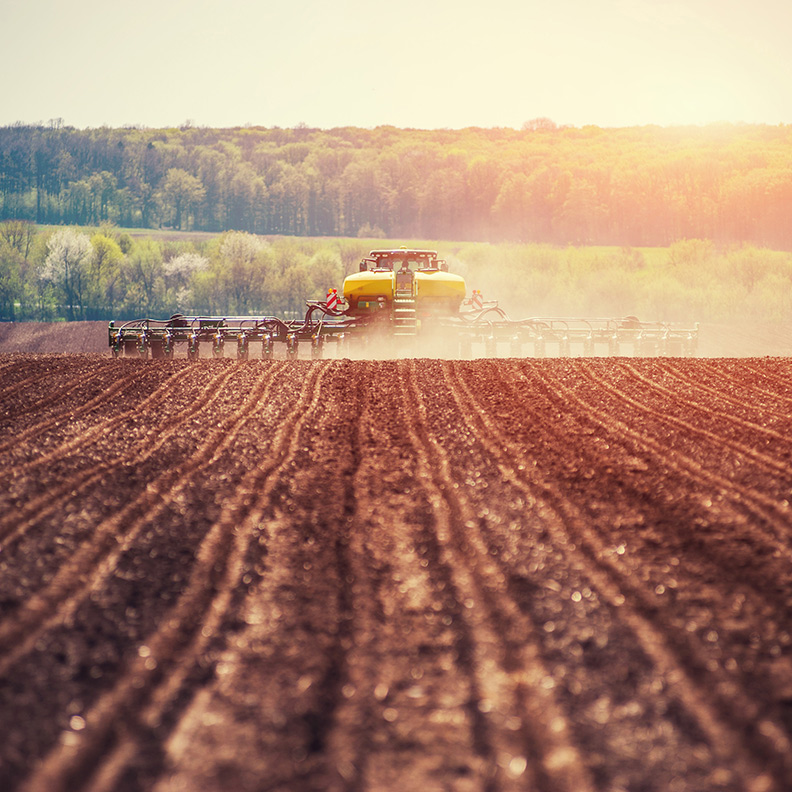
<point>553,575</point>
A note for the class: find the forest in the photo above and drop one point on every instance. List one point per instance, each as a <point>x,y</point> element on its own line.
<point>542,184</point>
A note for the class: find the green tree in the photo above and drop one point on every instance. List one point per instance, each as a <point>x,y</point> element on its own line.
<point>326,272</point>
<point>11,265</point>
<point>16,246</point>
<point>292,289</point>
<point>103,187</point>
<point>582,214</point>
<point>511,210</point>
<point>104,270</point>
<point>19,235</point>
<point>144,283</point>
<point>182,194</point>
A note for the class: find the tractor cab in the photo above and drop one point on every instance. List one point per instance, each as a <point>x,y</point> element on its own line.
<point>402,259</point>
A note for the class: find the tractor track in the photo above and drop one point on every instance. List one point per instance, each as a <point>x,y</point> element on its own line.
<point>734,389</point>
<point>680,664</point>
<point>55,496</point>
<point>772,438</point>
<point>244,512</point>
<point>310,683</point>
<point>770,515</point>
<point>65,415</point>
<point>584,550</point>
<point>766,729</point>
<point>29,403</point>
<point>766,371</point>
<point>712,499</point>
<point>80,441</point>
<point>360,576</point>
<point>57,599</point>
<point>539,744</point>
<point>186,629</point>
<point>748,402</point>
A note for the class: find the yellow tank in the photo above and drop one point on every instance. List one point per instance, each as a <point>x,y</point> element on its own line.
<point>365,290</point>
<point>436,290</point>
<point>416,274</point>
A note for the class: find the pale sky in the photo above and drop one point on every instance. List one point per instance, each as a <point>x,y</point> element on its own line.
<point>410,63</point>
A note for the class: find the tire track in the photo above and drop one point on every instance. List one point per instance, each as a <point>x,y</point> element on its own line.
<point>541,746</point>
<point>731,381</point>
<point>365,701</point>
<point>122,384</point>
<point>769,463</point>
<point>18,369</point>
<point>765,511</point>
<point>393,691</point>
<point>158,673</point>
<point>624,470</point>
<point>57,601</point>
<point>160,708</point>
<point>25,406</point>
<point>778,379</point>
<point>746,402</point>
<point>770,740</point>
<point>344,738</point>
<point>570,530</point>
<point>54,498</point>
<point>307,544</point>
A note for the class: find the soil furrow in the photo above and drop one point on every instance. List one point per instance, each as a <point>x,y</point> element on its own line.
<point>169,711</point>
<point>769,516</point>
<point>186,630</point>
<point>378,694</point>
<point>54,498</point>
<point>542,747</point>
<point>67,416</point>
<point>732,392</point>
<point>427,692</point>
<point>684,672</point>
<point>83,439</point>
<point>704,410</point>
<point>16,369</point>
<point>24,403</point>
<point>56,601</point>
<point>609,473</point>
<point>775,371</point>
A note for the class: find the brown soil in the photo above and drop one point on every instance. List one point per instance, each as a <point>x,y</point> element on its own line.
<point>69,337</point>
<point>398,575</point>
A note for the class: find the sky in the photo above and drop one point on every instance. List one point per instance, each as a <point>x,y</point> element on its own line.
<point>427,64</point>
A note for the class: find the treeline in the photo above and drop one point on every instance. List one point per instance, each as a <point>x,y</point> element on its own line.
<point>641,186</point>
<point>77,273</point>
<point>70,273</point>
